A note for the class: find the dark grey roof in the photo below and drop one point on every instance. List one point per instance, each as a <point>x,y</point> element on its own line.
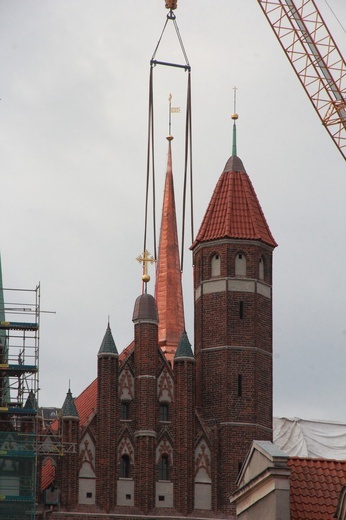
<point>145,309</point>
<point>69,408</point>
<point>184,348</point>
<point>108,345</point>
<point>234,164</point>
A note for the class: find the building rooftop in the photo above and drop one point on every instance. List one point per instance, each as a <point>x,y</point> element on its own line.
<point>234,210</point>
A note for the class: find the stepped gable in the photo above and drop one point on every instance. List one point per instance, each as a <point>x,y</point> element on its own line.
<point>234,210</point>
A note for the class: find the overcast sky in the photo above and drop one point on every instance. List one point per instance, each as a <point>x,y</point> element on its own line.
<point>73,126</point>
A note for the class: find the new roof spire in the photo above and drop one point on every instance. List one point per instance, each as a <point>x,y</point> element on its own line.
<point>168,289</point>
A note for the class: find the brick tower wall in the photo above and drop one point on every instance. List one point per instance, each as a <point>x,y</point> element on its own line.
<point>184,434</point>
<point>68,465</point>
<point>146,365</point>
<point>107,426</point>
<point>233,350</point>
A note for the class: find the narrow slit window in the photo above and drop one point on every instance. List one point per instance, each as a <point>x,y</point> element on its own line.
<point>164,409</point>
<point>125,410</point>
<point>241,310</point>
<point>240,385</point>
<point>261,269</point>
<point>164,468</point>
<point>125,466</point>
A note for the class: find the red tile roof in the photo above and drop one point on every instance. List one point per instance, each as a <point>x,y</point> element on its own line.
<point>234,210</point>
<point>48,474</point>
<point>315,487</point>
<point>168,289</point>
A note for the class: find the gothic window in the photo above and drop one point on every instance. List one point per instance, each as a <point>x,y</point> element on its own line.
<point>125,410</point>
<point>240,265</point>
<point>164,467</point>
<point>215,265</point>
<point>261,269</point>
<point>125,466</point>
<point>164,409</point>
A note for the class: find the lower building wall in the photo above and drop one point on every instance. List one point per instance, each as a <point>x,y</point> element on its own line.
<point>126,492</point>
<point>164,494</point>
<point>203,495</point>
<point>273,506</point>
<point>87,491</point>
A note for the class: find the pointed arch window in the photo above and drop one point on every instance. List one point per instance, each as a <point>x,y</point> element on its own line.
<point>125,466</point>
<point>164,467</point>
<point>215,265</point>
<point>240,264</point>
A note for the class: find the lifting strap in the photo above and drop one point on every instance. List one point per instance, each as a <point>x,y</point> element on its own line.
<point>151,148</point>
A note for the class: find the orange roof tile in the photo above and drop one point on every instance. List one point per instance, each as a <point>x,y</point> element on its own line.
<point>315,487</point>
<point>234,210</point>
<point>48,474</point>
<point>168,288</point>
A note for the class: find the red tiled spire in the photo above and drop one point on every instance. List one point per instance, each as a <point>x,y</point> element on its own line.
<point>234,210</point>
<point>168,288</point>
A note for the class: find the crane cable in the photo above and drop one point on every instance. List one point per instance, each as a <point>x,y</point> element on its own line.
<point>151,148</point>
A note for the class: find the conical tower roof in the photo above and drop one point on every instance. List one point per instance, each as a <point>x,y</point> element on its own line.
<point>69,408</point>
<point>168,289</point>
<point>184,348</point>
<point>108,345</point>
<point>234,210</point>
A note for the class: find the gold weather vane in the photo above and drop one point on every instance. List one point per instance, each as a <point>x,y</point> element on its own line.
<point>234,116</point>
<point>172,110</point>
<point>145,259</point>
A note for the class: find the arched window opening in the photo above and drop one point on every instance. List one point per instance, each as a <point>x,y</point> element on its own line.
<point>164,467</point>
<point>261,269</point>
<point>240,265</point>
<point>125,466</point>
<point>216,265</point>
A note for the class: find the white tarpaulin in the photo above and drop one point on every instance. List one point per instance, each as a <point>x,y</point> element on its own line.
<point>319,439</point>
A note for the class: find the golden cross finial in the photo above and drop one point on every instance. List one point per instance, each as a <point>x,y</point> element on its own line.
<point>146,258</point>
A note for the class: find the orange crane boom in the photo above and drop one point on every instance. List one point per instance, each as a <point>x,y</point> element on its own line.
<point>316,59</point>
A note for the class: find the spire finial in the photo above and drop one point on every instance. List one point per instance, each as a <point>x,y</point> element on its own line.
<point>171,110</point>
<point>145,259</point>
<point>234,117</point>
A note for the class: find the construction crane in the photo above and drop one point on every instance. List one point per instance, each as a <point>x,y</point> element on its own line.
<point>316,59</point>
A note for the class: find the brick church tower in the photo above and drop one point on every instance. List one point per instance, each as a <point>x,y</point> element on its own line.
<point>233,323</point>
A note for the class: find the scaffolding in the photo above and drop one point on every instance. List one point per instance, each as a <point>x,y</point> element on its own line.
<point>19,385</point>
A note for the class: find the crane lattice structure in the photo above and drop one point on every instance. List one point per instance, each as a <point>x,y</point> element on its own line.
<point>316,59</point>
